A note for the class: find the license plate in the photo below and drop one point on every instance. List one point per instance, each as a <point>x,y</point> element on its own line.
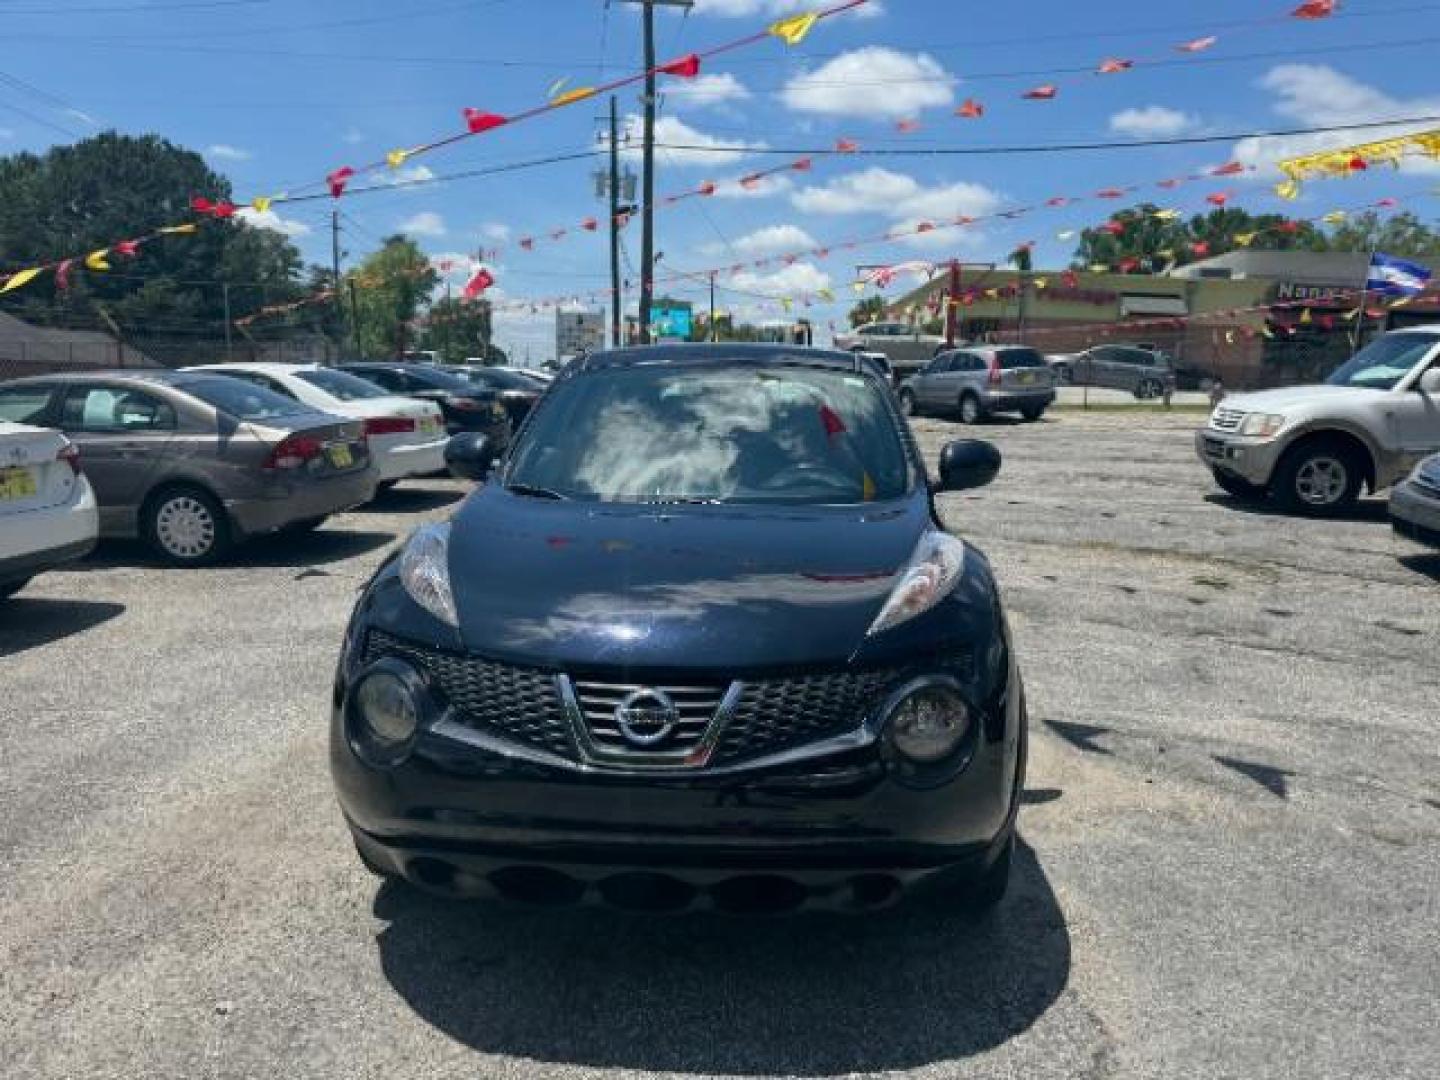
<point>340,456</point>
<point>1027,379</point>
<point>17,483</point>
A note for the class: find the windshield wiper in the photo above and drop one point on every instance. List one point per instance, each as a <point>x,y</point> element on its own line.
<point>529,491</point>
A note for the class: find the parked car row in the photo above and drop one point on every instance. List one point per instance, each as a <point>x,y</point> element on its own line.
<point>1146,373</point>
<point>979,381</point>
<point>196,461</point>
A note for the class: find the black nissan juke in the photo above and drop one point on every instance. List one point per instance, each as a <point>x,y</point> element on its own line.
<point>699,639</point>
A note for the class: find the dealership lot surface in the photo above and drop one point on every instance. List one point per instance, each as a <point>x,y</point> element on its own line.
<point>1232,831</point>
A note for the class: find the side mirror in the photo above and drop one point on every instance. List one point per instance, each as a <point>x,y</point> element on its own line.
<point>1429,383</point>
<point>968,464</point>
<point>470,456</point>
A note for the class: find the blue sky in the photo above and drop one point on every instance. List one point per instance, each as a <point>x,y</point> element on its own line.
<point>277,93</point>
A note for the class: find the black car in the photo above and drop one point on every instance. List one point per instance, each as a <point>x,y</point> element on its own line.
<point>467,407</point>
<point>517,392</point>
<point>701,638</point>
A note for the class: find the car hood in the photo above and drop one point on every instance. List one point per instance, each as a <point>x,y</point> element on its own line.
<point>689,588</point>
<point>1298,397</point>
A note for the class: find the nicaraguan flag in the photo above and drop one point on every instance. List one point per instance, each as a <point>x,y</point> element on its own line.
<point>1396,277</point>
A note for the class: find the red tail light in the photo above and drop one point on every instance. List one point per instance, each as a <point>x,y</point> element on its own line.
<point>294,452</point>
<point>995,374</point>
<point>70,454</point>
<point>389,425</point>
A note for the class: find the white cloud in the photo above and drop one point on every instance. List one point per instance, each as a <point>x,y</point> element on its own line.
<point>896,195</point>
<point>352,136</point>
<point>411,176</point>
<point>772,240</point>
<point>1151,122</point>
<point>874,82</point>
<point>226,152</point>
<point>702,149</point>
<point>273,221</point>
<point>707,91</point>
<point>797,279</point>
<point>495,230</point>
<point>425,223</point>
<point>1313,95</point>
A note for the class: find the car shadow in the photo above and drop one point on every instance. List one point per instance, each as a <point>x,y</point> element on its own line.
<point>1372,510</point>
<point>28,623</point>
<point>1428,565</point>
<point>406,500</point>
<point>803,995</point>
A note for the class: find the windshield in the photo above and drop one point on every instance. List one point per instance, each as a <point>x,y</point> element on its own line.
<point>341,386</point>
<point>720,435</point>
<point>243,400</point>
<point>1384,362</point>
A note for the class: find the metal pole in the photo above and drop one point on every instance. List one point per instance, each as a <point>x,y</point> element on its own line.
<point>714,327</point>
<point>617,306</point>
<point>1364,303</point>
<point>647,238</point>
<point>952,305</point>
<point>225,292</point>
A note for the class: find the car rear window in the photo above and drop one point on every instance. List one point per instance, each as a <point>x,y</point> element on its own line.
<point>341,385</point>
<point>1011,359</point>
<point>242,400</point>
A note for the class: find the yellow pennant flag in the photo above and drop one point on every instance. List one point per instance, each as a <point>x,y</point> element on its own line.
<point>1099,268</point>
<point>1288,189</point>
<point>1166,215</point>
<point>1041,283</point>
<point>569,97</point>
<point>19,278</point>
<point>1335,217</point>
<point>96,260</point>
<point>1349,316</point>
<point>786,303</point>
<point>261,203</point>
<point>396,158</point>
<point>1401,302</point>
<point>795,29</point>
<point>1305,317</point>
<point>858,286</point>
<point>992,294</point>
<point>1244,239</point>
<point>826,295</point>
<point>179,230</point>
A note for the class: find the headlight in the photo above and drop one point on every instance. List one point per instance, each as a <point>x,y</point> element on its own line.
<point>425,572</point>
<point>1262,424</point>
<point>386,708</point>
<point>932,572</point>
<point>929,724</point>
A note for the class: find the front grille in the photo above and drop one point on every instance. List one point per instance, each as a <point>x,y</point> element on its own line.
<point>500,699</point>
<point>695,707</point>
<point>1227,419</point>
<point>777,714</point>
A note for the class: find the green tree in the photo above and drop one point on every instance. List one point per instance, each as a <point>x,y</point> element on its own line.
<point>869,310</point>
<point>1403,235</point>
<point>1154,243</point>
<point>391,286</point>
<point>76,199</point>
<point>460,330</point>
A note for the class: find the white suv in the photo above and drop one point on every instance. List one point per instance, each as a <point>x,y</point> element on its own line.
<point>47,510</point>
<point>1315,447</point>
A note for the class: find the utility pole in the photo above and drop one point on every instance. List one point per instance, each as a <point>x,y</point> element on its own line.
<point>714,327</point>
<point>225,294</point>
<point>647,237</point>
<point>952,305</point>
<point>617,305</point>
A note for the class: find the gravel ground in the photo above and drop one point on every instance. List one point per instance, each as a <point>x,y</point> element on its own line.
<point>1230,861</point>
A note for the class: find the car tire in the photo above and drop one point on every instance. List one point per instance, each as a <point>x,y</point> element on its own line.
<point>1148,390</point>
<point>1032,415</point>
<point>186,526</point>
<point>1238,486</point>
<point>971,411</point>
<point>908,405</point>
<point>10,588</point>
<point>1318,477</point>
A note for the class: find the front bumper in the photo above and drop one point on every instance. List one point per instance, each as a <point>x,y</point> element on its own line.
<point>295,500</point>
<point>1250,459</point>
<point>833,824</point>
<point>1415,514</point>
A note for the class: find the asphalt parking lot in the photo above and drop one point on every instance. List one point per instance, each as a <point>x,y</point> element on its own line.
<point>1230,862</point>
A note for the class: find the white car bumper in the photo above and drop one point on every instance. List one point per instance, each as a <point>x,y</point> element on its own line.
<point>399,461</point>
<point>39,539</point>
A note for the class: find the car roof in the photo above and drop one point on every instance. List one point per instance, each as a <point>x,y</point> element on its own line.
<point>147,376</point>
<point>265,368</point>
<point>718,355</point>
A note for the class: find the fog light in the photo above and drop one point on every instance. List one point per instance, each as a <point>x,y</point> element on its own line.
<point>929,723</point>
<point>386,709</point>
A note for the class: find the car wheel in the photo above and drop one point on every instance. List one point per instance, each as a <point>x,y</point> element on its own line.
<point>1237,486</point>
<point>186,526</point>
<point>970,409</point>
<point>1031,415</point>
<point>907,404</point>
<point>1147,390</point>
<point>10,588</point>
<point>1322,476</point>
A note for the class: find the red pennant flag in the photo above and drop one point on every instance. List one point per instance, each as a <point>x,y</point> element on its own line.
<point>751,182</point>
<point>964,220</point>
<point>478,121</point>
<point>128,248</point>
<point>338,179</point>
<point>803,164</point>
<point>1169,185</point>
<point>1288,227</point>
<point>907,127</point>
<point>832,422</point>
<point>528,242</point>
<point>1230,168</point>
<point>1070,279</point>
<point>925,226</point>
<point>558,234</point>
<point>1114,228</point>
<point>224,209</point>
<point>1111,67</point>
<point>590,224</point>
<point>482,280</point>
<point>970,109</point>
<point>1110,193</point>
<point>1041,93</point>
<point>1058,200</point>
<point>707,188</point>
<point>1387,204</point>
<point>1200,248</point>
<point>687,67</point>
<point>846,146</point>
<point>821,253</point>
<point>1358,164</point>
<point>201,205</point>
<point>1315,9</point>
<point>1128,266</point>
<point>62,275</point>
<point>1219,198</point>
<point>1198,45</point>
